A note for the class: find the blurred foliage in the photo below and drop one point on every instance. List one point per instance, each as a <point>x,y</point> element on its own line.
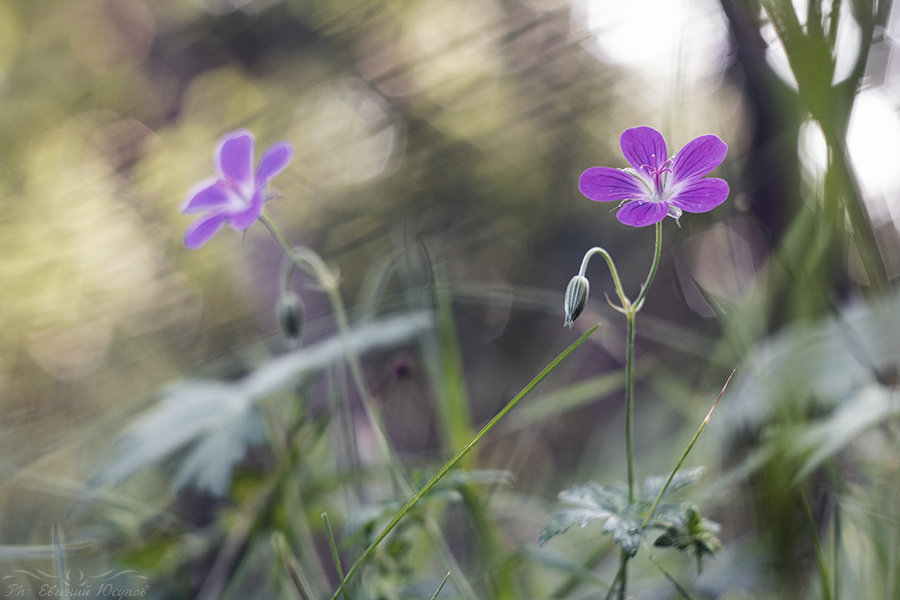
<point>438,145</point>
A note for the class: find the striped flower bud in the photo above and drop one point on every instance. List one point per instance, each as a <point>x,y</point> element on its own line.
<point>576,296</point>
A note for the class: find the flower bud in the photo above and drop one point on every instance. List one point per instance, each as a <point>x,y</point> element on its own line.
<point>576,297</point>
<point>290,315</point>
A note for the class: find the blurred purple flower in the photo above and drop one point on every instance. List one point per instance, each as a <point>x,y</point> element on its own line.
<point>657,185</point>
<point>237,193</point>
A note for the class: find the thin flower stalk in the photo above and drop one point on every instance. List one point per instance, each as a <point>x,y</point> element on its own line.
<point>449,465</point>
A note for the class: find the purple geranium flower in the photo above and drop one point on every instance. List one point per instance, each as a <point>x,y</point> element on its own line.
<point>657,185</point>
<point>237,194</point>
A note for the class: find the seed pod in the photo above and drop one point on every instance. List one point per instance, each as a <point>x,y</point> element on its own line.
<point>576,297</point>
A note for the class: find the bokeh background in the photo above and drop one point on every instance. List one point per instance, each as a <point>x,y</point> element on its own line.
<point>438,148</point>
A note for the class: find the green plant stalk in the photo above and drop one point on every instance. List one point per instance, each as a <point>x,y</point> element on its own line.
<point>678,587</point>
<point>653,267</point>
<point>817,548</point>
<point>629,402</point>
<point>459,456</point>
<point>440,587</point>
<point>613,272</point>
<point>291,565</point>
<point>452,399</point>
<point>684,454</point>
<point>621,577</point>
<point>310,262</point>
<point>334,555</point>
<point>630,310</point>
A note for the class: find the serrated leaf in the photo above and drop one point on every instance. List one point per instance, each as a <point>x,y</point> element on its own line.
<point>611,498</point>
<point>188,413</point>
<point>216,420</point>
<point>587,503</point>
<point>565,518</point>
<point>209,463</point>
<point>626,529</point>
<point>653,484</point>
<point>667,514</point>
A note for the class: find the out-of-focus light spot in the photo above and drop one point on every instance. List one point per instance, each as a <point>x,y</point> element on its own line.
<point>873,143</point>
<point>892,35</point>
<point>222,98</point>
<point>73,350</point>
<point>105,34</point>
<point>666,41</point>
<point>722,262</point>
<point>812,151</point>
<point>846,44</point>
<point>79,262</point>
<point>450,45</point>
<point>347,134</point>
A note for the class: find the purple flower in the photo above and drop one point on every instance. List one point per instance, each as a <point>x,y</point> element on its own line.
<point>657,185</point>
<point>236,195</point>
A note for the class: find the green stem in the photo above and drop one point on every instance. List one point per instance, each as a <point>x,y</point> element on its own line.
<point>631,310</point>
<point>653,267</point>
<point>687,450</point>
<point>310,262</point>
<point>334,554</point>
<point>459,456</point>
<point>629,402</point>
<point>821,562</point>
<point>614,273</point>
<point>621,577</point>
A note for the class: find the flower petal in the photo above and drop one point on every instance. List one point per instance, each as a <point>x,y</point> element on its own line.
<point>698,157</point>
<point>643,146</point>
<point>209,194</point>
<point>273,162</point>
<point>234,158</point>
<point>203,229</point>
<point>245,218</point>
<point>701,195</point>
<point>604,184</point>
<point>639,213</point>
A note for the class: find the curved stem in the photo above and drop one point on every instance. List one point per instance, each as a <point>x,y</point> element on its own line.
<point>310,262</point>
<point>630,309</point>
<point>614,273</point>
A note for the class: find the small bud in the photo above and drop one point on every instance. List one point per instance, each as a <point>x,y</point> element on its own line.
<point>576,297</point>
<point>290,315</point>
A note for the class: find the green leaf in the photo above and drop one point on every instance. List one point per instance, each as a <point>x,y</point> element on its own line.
<point>610,498</point>
<point>626,529</point>
<point>653,484</point>
<point>217,420</point>
<point>689,530</point>
<point>213,417</point>
<point>591,502</point>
